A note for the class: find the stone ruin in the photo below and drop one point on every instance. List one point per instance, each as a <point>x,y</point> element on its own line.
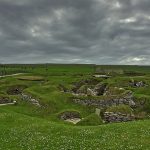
<point>15,90</point>
<point>87,82</point>
<point>98,90</point>
<point>111,117</point>
<point>105,103</point>
<point>5,100</point>
<point>137,83</point>
<point>90,90</point>
<point>29,98</point>
<point>18,90</point>
<point>87,87</point>
<point>93,90</point>
<point>70,116</point>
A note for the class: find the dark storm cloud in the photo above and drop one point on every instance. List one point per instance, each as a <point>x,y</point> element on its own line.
<point>75,31</point>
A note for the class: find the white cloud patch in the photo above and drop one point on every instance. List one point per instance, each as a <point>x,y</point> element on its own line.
<point>133,60</point>
<point>128,20</point>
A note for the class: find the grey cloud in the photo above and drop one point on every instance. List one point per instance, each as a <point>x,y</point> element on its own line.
<point>75,31</point>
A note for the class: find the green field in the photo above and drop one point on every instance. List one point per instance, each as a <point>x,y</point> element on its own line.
<point>25,126</point>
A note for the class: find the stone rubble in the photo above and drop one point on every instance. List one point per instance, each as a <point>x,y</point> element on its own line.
<point>98,90</point>
<point>28,98</point>
<point>137,83</point>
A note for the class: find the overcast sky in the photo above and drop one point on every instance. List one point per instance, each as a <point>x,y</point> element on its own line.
<point>75,31</point>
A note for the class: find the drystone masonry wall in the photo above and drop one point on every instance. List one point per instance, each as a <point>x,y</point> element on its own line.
<point>104,103</point>
<point>111,117</point>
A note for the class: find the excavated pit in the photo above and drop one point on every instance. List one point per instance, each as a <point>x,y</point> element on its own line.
<point>70,116</point>
<point>5,100</point>
<point>16,89</point>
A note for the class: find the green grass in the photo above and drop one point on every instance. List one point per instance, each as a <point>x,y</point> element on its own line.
<point>124,109</point>
<point>91,120</point>
<point>23,132</point>
<point>25,126</point>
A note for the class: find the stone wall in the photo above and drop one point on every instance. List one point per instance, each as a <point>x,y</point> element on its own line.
<point>28,98</point>
<point>111,117</point>
<point>105,103</point>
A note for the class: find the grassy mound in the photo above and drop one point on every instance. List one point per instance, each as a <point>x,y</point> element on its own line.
<point>91,120</point>
<point>124,109</point>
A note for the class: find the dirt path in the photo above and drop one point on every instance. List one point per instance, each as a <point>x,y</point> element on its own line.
<point>11,75</point>
<point>7,104</point>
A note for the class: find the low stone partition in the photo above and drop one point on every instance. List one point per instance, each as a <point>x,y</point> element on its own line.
<point>104,103</point>
<point>111,117</point>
